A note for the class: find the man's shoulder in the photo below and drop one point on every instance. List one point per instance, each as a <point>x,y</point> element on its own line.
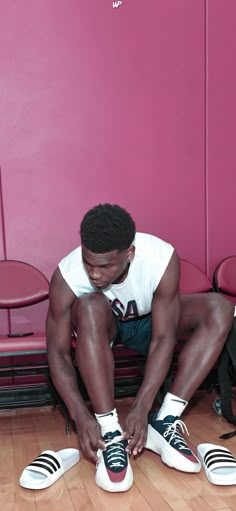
<point>73,272</point>
<point>150,242</point>
<point>72,259</point>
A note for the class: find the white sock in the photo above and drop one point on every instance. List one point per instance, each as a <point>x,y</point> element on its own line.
<point>172,405</point>
<point>108,421</point>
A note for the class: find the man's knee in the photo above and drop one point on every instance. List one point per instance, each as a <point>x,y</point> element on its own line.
<point>221,313</point>
<point>91,304</point>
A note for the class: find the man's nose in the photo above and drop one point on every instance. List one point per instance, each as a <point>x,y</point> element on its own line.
<point>95,273</point>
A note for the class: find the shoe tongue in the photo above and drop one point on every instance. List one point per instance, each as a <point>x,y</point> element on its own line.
<point>170,418</point>
<point>111,435</point>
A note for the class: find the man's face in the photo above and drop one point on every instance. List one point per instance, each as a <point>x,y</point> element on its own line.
<point>105,269</point>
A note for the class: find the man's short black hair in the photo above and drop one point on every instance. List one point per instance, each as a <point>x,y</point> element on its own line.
<point>107,227</point>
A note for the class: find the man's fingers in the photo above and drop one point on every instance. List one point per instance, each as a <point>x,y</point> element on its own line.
<point>91,446</point>
<point>126,435</point>
<point>138,448</point>
<point>136,443</point>
<point>101,444</point>
<point>90,453</point>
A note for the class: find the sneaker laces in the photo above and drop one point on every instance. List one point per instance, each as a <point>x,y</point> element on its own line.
<point>175,435</point>
<point>114,451</point>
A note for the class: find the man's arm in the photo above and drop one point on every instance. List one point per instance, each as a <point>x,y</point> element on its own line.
<point>165,317</point>
<point>63,374</point>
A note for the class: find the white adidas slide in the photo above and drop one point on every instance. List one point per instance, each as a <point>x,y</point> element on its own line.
<point>219,464</point>
<point>47,468</point>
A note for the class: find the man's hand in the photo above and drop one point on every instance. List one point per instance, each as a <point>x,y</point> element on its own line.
<point>135,427</point>
<point>89,434</point>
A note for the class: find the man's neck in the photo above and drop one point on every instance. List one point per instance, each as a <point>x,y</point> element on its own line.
<point>123,275</point>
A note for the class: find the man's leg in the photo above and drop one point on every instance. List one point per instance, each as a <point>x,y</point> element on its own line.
<point>206,319</point>
<point>95,326</point>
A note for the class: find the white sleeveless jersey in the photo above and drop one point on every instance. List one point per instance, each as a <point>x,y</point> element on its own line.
<point>132,297</point>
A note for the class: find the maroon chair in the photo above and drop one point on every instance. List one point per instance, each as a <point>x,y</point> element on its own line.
<point>23,355</point>
<point>193,279</point>
<point>224,278</point>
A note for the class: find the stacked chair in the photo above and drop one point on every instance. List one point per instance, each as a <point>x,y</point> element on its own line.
<point>224,278</point>
<point>23,355</point>
<point>193,279</point>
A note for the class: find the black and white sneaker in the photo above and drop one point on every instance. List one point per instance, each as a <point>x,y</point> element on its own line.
<point>165,438</point>
<point>113,470</point>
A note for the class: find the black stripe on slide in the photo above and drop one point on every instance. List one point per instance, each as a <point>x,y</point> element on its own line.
<point>213,462</point>
<point>217,452</point>
<point>223,460</point>
<point>45,462</point>
<point>41,465</point>
<point>218,456</point>
<point>50,457</point>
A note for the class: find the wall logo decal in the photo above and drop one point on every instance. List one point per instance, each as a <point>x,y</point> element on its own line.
<point>115,5</point>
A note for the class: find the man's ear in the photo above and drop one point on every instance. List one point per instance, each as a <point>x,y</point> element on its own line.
<point>130,252</point>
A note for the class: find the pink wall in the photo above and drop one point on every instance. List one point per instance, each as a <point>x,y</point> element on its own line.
<point>221,164</point>
<point>100,104</point>
<point>3,314</point>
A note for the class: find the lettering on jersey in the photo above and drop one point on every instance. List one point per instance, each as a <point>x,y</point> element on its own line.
<point>119,310</point>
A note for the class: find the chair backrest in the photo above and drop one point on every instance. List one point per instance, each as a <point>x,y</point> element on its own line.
<point>193,279</point>
<point>21,285</point>
<point>224,278</point>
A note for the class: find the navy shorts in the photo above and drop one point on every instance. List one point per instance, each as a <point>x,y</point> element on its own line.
<point>135,333</point>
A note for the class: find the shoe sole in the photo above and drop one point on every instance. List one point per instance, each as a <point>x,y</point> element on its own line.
<point>169,455</point>
<point>103,481</point>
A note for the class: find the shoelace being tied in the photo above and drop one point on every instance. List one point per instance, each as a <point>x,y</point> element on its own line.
<point>175,435</point>
<point>114,452</point>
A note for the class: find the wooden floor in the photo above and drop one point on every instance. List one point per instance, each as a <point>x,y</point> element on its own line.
<point>24,433</point>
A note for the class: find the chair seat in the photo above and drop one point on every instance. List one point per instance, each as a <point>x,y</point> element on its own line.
<point>21,285</point>
<point>224,278</point>
<point>193,279</point>
<point>34,344</point>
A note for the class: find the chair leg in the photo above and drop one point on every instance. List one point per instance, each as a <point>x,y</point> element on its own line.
<point>66,416</point>
<point>57,401</point>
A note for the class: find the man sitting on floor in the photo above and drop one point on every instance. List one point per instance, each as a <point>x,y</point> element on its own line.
<point>122,285</point>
